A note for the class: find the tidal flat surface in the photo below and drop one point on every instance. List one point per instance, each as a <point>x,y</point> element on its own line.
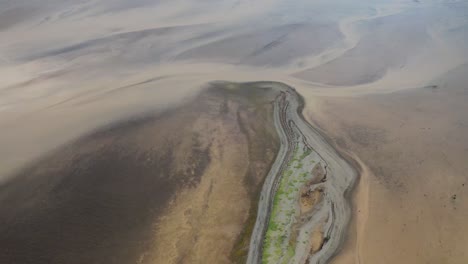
<point>383,81</point>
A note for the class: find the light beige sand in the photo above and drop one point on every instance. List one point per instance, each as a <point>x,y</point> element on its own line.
<point>415,145</point>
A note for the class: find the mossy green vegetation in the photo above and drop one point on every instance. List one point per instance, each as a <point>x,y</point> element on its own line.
<point>278,246</point>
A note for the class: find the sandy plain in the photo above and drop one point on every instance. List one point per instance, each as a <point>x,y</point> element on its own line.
<point>413,196</point>
<point>174,187</point>
<point>385,80</point>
